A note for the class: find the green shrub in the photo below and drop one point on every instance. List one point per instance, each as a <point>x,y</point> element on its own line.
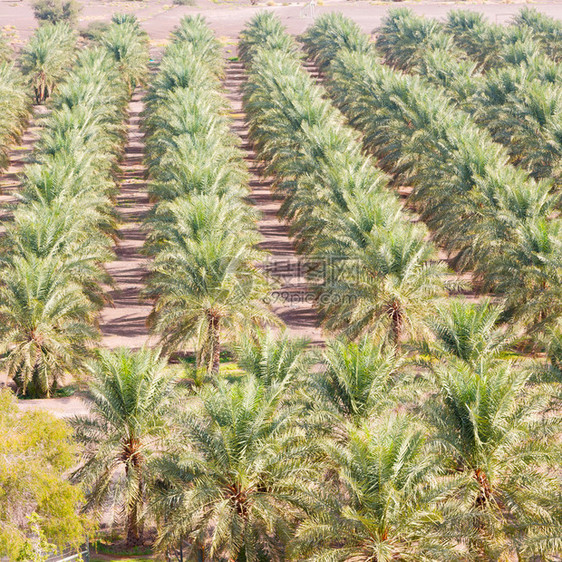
<point>57,10</point>
<point>185,2</point>
<point>95,30</point>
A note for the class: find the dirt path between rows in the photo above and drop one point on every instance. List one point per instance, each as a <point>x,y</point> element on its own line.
<point>123,323</point>
<point>292,300</point>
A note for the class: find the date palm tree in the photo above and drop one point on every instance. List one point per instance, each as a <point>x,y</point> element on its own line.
<point>47,322</point>
<point>384,284</point>
<point>495,439</point>
<point>205,278</point>
<point>127,43</point>
<point>129,399</point>
<point>234,484</point>
<point>382,505</point>
<point>47,57</point>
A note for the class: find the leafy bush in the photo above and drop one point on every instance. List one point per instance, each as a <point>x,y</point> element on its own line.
<point>95,30</point>
<point>57,10</point>
<point>39,507</point>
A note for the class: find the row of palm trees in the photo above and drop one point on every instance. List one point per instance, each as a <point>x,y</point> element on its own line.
<point>492,217</point>
<point>52,274</point>
<point>15,106</point>
<point>518,101</point>
<point>372,267</point>
<point>352,453</point>
<point>205,277</point>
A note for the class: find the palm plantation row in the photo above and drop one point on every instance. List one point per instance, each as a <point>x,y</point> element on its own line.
<point>63,226</point>
<point>517,100</point>
<point>205,280</point>
<point>378,272</point>
<point>490,216</point>
<point>45,61</point>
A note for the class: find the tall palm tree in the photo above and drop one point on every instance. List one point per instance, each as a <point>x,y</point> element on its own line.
<point>382,506</point>
<point>233,485</point>
<point>46,330</point>
<point>494,438</point>
<point>205,278</point>
<point>128,401</point>
<point>47,57</point>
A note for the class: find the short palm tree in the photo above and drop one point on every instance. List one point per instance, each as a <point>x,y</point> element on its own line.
<point>46,330</point>
<point>128,401</point>
<point>357,380</point>
<point>233,486</point>
<point>272,357</point>
<point>490,428</point>
<point>382,506</point>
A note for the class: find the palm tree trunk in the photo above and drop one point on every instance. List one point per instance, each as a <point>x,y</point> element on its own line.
<point>396,323</point>
<point>134,526</point>
<point>214,329</point>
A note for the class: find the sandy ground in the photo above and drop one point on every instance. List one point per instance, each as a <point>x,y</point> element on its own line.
<point>228,17</point>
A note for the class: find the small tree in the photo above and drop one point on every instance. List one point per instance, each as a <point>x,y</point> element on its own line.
<point>39,507</point>
<point>54,11</point>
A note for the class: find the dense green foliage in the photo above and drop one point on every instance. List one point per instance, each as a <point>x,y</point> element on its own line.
<point>205,276</point>
<point>36,499</point>
<point>53,254</point>
<point>420,433</point>
<point>490,216</point>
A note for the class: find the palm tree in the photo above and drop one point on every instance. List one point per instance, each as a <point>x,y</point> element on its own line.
<point>46,330</point>
<point>233,485</point>
<point>205,278</point>
<point>129,399</point>
<point>127,43</point>
<point>47,57</point>
<point>493,436</point>
<point>382,506</point>
<point>274,357</point>
<point>357,380</point>
<point>384,285</point>
<point>469,332</point>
